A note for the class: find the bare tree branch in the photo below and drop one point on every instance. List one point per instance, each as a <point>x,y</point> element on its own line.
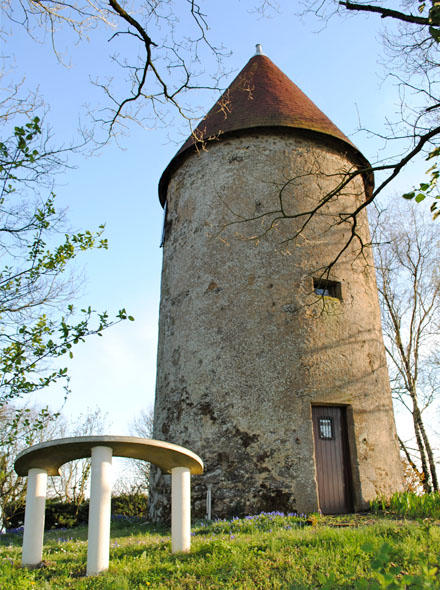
<point>386,13</point>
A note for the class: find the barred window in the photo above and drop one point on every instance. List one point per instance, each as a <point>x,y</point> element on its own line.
<point>326,429</point>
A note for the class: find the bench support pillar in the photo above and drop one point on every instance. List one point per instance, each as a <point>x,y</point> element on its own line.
<point>34,517</point>
<point>180,509</point>
<point>99,510</point>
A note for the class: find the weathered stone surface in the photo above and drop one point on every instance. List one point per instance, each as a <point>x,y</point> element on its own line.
<point>246,347</point>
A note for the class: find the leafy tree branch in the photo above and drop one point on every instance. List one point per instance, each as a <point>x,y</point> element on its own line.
<point>38,323</point>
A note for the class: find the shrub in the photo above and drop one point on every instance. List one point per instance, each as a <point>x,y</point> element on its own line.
<point>135,504</point>
<point>58,514</point>
<point>13,514</point>
<point>65,514</point>
<point>69,515</point>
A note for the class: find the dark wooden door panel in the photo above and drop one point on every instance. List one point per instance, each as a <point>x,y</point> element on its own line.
<point>332,459</point>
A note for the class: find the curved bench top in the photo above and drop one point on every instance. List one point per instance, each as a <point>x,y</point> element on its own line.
<point>52,454</point>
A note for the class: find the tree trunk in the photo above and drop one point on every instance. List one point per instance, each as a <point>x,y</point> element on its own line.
<point>407,455</point>
<point>429,452</point>
<point>424,442</point>
<point>423,460</point>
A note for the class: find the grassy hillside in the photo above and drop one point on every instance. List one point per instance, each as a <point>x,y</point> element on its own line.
<point>268,551</point>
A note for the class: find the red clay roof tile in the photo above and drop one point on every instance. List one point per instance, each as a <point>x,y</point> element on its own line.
<point>260,96</point>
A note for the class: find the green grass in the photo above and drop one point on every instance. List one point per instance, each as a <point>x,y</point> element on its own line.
<point>267,552</point>
<point>410,504</point>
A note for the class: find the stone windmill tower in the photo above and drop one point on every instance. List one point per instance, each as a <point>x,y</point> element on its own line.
<point>271,364</point>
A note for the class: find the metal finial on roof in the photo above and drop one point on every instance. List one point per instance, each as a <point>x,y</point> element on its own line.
<point>258,49</point>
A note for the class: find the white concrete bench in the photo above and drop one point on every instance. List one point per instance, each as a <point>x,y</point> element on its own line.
<point>39,461</point>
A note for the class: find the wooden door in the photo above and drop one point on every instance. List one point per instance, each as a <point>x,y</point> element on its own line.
<point>332,459</point>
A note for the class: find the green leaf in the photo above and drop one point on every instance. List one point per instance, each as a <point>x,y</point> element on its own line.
<point>420,197</point>
<point>434,153</point>
<point>435,34</point>
<point>409,195</point>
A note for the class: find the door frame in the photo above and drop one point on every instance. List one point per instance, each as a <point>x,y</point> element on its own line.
<point>346,453</point>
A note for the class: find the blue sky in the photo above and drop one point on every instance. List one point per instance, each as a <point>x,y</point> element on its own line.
<point>337,65</point>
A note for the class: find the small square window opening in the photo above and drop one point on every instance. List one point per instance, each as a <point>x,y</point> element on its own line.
<point>326,288</point>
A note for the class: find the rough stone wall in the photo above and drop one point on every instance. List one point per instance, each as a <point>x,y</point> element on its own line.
<point>246,347</point>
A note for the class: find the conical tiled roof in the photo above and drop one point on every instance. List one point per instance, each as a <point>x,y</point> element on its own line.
<point>260,96</point>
